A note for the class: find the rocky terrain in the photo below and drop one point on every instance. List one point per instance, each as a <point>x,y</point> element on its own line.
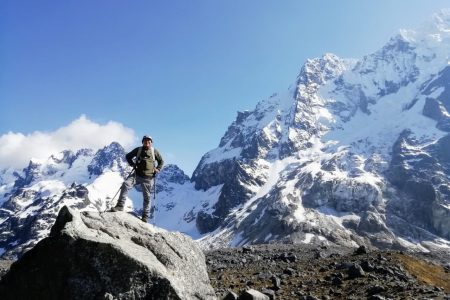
<point>306,272</point>
<point>282,271</point>
<point>302,272</point>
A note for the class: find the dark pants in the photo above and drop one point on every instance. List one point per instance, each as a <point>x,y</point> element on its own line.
<point>146,184</point>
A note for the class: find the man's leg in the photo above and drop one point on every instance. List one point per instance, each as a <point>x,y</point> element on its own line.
<point>146,191</point>
<point>126,185</point>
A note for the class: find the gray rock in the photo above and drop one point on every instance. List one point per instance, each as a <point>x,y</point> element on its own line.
<point>4,266</point>
<point>270,293</point>
<point>367,266</point>
<point>336,281</point>
<point>309,297</point>
<point>361,250</point>
<point>289,271</point>
<point>376,289</point>
<point>276,281</point>
<point>96,255</point>
<point>355,271</point>
<point>252,294</point>
<point>230,295</point>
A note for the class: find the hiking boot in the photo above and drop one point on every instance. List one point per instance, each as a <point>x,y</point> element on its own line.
<point>144,219</point>
<point>116,208</point>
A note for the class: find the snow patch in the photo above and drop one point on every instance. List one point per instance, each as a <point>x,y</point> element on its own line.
<point>308,238</point>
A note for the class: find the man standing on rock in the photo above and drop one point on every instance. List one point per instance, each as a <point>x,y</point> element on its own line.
<point>144,163</point>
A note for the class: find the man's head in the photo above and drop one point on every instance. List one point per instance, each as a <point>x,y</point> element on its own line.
<point>147,141</point>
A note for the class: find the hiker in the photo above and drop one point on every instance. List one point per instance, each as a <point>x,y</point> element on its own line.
<point>145,171</point>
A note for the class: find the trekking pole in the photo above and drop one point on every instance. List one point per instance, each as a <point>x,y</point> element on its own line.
<point>128,176</point>
<point>154,198</point>
<point>154,188</point>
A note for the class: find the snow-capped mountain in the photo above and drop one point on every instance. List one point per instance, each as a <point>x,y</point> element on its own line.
<point>354,152</point>
<point>32,198</point>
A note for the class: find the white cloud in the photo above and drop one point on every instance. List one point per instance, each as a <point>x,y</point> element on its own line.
<point>17,149</point>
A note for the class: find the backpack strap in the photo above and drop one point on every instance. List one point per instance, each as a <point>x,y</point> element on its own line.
<point>153,153</point>
<point>138,155</point>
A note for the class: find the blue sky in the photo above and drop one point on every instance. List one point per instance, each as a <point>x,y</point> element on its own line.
<point>178,70</point>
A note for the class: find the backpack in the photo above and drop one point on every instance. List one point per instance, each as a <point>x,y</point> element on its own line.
<point>138,156</point>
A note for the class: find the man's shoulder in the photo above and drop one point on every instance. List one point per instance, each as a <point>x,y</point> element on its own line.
<point>135,150</point>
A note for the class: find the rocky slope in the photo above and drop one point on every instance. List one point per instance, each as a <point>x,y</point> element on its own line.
<point>305,272</point>
<point>281,271</point>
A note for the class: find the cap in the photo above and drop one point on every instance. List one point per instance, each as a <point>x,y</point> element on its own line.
<point>147,137</point>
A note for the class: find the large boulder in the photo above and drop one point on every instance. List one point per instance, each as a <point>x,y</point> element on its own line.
<point>108,256</point>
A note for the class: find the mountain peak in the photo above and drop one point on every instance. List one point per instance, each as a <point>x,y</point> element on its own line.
<point>435,30</point>
<point>111,156</point>
<point>321,69</point>
<point>441,19</point>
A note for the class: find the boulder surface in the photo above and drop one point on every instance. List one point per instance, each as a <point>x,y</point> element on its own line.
<point>93,255</point>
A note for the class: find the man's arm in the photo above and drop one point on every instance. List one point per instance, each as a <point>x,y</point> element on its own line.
<point>159,159</point>
<point>131,155</point>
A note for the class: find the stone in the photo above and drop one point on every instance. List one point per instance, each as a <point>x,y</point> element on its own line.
<point>247,249</point>
<point>93,255</point>
<point>319,255</point>
<point>355,271</point>
<point>361,250</point>
<point>308,297</point>
<point>270,293</point>
<point>252,294</point>
<point>230,295</point>
<point>336,281</point>
<point>376,289</point>
<point>289,271</point>
<point>276,281</point>
<point>367,266</point>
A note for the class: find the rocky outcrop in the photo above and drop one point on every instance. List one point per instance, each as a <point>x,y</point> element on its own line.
<point>420,174</point>
<point>108,256</point>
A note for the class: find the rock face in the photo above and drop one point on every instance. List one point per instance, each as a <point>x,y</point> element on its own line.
<point>421,173</point>
<point>108,256</point>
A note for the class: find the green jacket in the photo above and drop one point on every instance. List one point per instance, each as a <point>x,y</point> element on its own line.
<point>145,166</point>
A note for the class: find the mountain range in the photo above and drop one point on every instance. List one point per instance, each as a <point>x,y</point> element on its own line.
<point>355,151</point>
